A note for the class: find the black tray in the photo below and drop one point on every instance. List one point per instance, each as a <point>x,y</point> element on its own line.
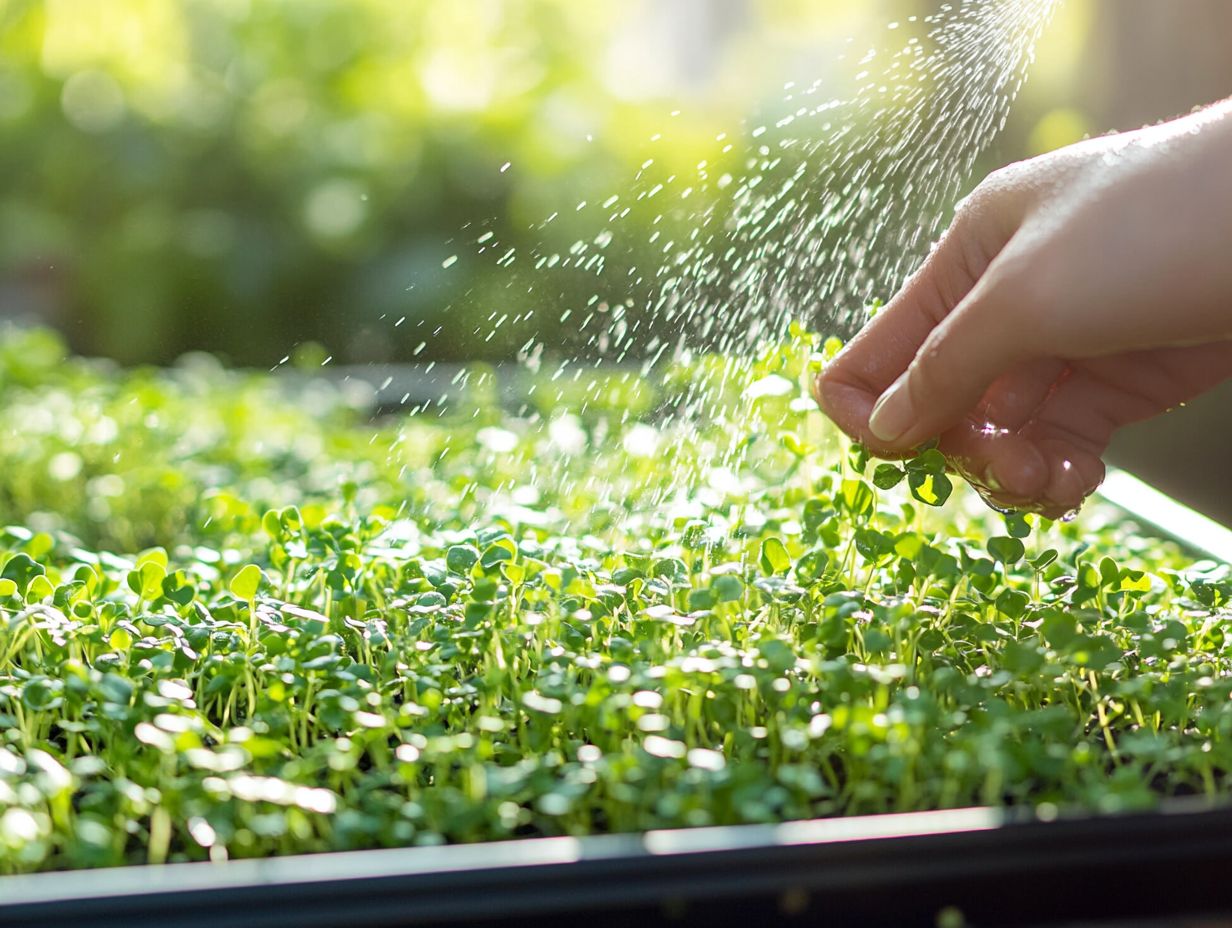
<point>970,866</point>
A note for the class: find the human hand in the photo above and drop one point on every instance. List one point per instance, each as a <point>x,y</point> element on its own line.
<point>1074,294</point>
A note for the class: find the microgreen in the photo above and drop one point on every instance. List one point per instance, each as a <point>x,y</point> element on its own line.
<point>243,624</point>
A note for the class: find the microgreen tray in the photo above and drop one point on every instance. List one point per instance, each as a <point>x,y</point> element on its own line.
<point>973,866</point>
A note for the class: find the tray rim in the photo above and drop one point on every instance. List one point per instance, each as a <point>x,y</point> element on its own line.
<point>881,857</point>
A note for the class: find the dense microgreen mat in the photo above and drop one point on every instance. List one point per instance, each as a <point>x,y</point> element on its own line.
<point>238,617</point>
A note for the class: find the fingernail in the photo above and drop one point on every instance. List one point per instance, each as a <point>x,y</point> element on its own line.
<point>892,415</point>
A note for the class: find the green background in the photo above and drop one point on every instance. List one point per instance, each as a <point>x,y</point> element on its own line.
<point>243,177</point>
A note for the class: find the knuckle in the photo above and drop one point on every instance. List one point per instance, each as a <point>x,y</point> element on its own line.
<point>1008,183</point>
<point>985,221</point>
<point>989,195</point>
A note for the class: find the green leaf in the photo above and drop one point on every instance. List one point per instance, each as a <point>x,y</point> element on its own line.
<point>271,524</point>
<point>501,550</point>
<point>39,589</point>
<point>245,584</point>
<point>831,347</point>
<point>858,456</point>
<point>147,580</point>
<point>857,496</point>
<point>931,461</point>
<point>702,599</point>
<point>1013,603</point>
<point>1059,628</point>
<point>774,557</point>
<point>791,441</point>
<point>671,568</point>
<point>1018,524</point>
<point>21,569</point>
<point>1022,657</point>
<point>932,489</point>
<point>461,558</point>
<point>1044,559</point>
<point>1109,572</point>
<point>693,536</point>
<point>777,653</point>
<point>1134,581</point>
<point>153,556</point>
<point>877,641</point>
<point>728,589</point>
<point>1005,549</point>
<point>812,565</point>
<point>873,545</point>
<point>1095,652</point>
<point>888,476</point>
<point>816,514</point>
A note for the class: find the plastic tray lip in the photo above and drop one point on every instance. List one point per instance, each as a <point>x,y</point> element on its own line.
<point>962,832</point>
<point>1167,516</point>
<point>491,856</point>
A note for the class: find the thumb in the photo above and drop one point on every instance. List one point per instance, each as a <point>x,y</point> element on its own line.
<point>848,388</point>
<point>956,364</point>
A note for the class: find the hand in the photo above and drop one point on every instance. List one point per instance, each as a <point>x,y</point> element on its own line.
<point>1073,294</point>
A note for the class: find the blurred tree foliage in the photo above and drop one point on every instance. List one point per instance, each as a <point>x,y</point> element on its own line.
<point>242,175</point>
<point>233,176</point>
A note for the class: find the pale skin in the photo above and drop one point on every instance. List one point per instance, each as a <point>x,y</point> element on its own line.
<point>1074,294</point>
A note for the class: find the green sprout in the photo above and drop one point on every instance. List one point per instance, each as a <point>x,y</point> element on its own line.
<point>233,625</point>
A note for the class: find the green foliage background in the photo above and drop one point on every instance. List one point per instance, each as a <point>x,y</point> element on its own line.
<point>238,177</point>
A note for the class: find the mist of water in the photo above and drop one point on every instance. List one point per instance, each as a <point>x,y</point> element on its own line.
<point>836,200</point>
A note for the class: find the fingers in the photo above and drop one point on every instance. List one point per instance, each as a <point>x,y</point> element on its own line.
<point>1054,420</point>
<point>1006,468</point>
<point>975,345</point>
<point>1012,471</point>
<point>849,386</point>
<point>1004,453</point>
<point>1138,385</point>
